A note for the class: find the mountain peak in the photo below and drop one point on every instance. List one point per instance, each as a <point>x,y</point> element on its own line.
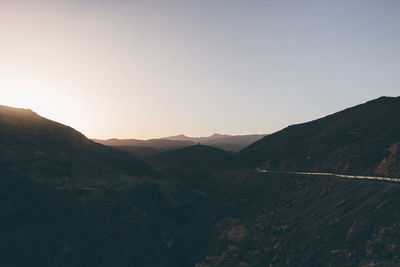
<point>182,136</point>
<point>217,135</point>
<point>16,111</point>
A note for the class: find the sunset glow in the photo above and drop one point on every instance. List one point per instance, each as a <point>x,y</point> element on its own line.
<point>140,70</point>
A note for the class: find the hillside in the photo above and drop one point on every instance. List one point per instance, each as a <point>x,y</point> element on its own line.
<point>118,226</point>
<point>140,152</point>
<point>68,201</point>
<point>245,219</point>
<point>232,219</point>
<point>41,149</point>
<point>360,140</point>
<point>195,157</point>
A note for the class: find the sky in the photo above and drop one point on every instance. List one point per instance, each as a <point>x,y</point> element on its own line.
<point>147,69</point>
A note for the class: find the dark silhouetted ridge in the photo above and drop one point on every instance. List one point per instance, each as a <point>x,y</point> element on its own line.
<point>360,140</point>
<point>39,148</point>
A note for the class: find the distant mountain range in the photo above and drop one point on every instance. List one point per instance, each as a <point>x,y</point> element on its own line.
<point>232,143</point>
<point>226,142</point>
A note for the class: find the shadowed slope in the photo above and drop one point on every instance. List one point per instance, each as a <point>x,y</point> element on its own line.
<point>43,149</point>
<point>193,157</point>
<point>359,140</point>
<point>275,219</point>
<point>68,201</point>
<point>36,221</point>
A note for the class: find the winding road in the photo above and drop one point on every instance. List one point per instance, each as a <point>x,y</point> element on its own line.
<point>374,178</point>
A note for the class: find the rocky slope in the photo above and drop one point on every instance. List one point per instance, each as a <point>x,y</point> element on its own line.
<point>246,219</point>
<point>359,140</point>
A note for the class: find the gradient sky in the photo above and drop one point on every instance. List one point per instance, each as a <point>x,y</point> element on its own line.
<point>143,69</point>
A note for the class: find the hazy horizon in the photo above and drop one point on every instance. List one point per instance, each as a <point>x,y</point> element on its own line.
<point>133,69</point>
<point>159,137</point>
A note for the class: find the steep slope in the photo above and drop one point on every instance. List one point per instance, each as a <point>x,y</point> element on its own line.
<point>38,148</point>
<point>247,219</point>
<point>195,157</point>
<point>359,140</point>
<point>68,201</point>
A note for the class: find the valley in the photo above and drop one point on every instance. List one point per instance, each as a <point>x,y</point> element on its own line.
<point>68,201</point>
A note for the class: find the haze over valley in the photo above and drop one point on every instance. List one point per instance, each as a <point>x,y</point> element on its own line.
<point>230,143</point>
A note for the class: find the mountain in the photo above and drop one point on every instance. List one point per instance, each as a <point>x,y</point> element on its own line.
<point>180,137</point>
<point>41,149</point>
<point>68,201</point>
<point>137,147</point>
<point>364,139</point>
<point>232,143</point>
<point>199,208</point>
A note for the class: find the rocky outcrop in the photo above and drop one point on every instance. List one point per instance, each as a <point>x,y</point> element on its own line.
<point>383,248</point>
<point>390,165</point>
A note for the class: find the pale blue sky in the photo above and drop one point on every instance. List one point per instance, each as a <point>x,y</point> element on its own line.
<point>143,69</point>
